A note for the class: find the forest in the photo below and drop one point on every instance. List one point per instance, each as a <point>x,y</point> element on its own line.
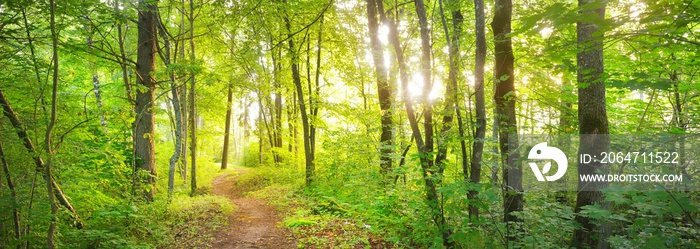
<point>349,124</point>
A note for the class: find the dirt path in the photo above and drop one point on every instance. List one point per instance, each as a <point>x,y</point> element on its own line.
<point>254,225</point>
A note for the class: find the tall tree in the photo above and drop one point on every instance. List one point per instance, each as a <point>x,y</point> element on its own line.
<point>13,194</point>
<point>296,77</point>
<point>193,107</point>
<point>227,132</point>
<point>593,122</point>
<point>505,107</point>
<point>49,131</point>
<point>176,103</point>
<point>480,103</point>
<point>144,133</point>
<point>383,90</point>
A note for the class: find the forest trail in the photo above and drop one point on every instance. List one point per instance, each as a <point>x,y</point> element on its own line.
<point>254,224</point>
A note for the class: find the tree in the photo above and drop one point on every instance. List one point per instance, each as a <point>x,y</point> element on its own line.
<point>176,103</point>
<point>227,132</point>
<point>48,141</point>
<point>383,90</point>
<point>505,106</point>
<point>193,107</point>
<point>480,134</point>
<point>144,146</point>
<point>593,122</point>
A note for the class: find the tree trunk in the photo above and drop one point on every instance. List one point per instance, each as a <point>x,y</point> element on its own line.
<point>316,95</point>
<point>383,90</point>
<point>451,89</point>
<point>11,186</point>
<point>122,53</point>
<point>277,125</point>
<point>49,131</point>
<point>593,122</point>
<point>144,132</point>
<point>38,161</point>
<point>505,106</point>
<point>308,152</point>
<point>193,109</point>
<point>176,109</point>
<point>480,134</point>
<point>229,104</point>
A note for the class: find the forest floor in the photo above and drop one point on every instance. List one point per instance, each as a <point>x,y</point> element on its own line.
<point>254,225</point>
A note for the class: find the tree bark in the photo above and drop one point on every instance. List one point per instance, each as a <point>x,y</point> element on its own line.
<point>505,106</point>
<point>383,90</point>
<point>480,133</point>
<point>593,123</point>
<point>122,53</point>
<point>193,109</point>
<point>38,161</point>
<point>308,152</point>
<point>50,241</point>
<point>229,104</point>
<point>144,127</point>
<point>13,193</point>
<point>176,104</point>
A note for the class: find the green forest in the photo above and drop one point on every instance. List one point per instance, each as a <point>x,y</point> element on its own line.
<point>349,124</point>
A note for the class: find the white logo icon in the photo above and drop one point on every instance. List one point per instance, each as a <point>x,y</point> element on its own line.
<point>541,151</point>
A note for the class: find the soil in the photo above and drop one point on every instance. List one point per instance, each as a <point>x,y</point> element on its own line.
<point>254,224</point>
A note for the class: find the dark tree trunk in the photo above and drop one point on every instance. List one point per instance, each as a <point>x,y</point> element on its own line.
<point>593,123</point>
<point>432,175</point>
<point>144,146</point>
<point>229,103</point>
<point>193,108</point>
<point>451,89</point>
<point>277,124</point>
<point>296,76</point>
<point>383,90</point>
<point>480,133</point>
<point>505,106</point>
<point>13,193</point>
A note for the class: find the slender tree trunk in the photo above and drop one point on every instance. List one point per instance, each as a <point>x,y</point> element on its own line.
<point>505,106</point>
<point>308,152</point>
<point>184,103</point>
<point>13,193</point>
<point>383,90</point>
<point>593,126</point>
<point>176,109</point>
<point>122,53</point>
<point>316,95</point>
<point>480,134</point>
<point>38,161</point>
<point>95,76</point>
<point>35,63</point>
<point>277,125</point>
<point>144,128</point>
<point>229,105</point>
<point>193,109</point>
<point>451,89</point>
<point>49,131</point>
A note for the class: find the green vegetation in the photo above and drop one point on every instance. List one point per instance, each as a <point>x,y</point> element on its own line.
<point>365,123</point>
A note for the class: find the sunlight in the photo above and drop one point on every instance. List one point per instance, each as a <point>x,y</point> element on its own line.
<point>383,34</point>
<point>415,85</point>
<point>636,10</point>
<point>387,60</point>
<point>438,89</point>
<point>546,32</point>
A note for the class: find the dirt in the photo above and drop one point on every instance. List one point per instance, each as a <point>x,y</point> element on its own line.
<point>254,224</point>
